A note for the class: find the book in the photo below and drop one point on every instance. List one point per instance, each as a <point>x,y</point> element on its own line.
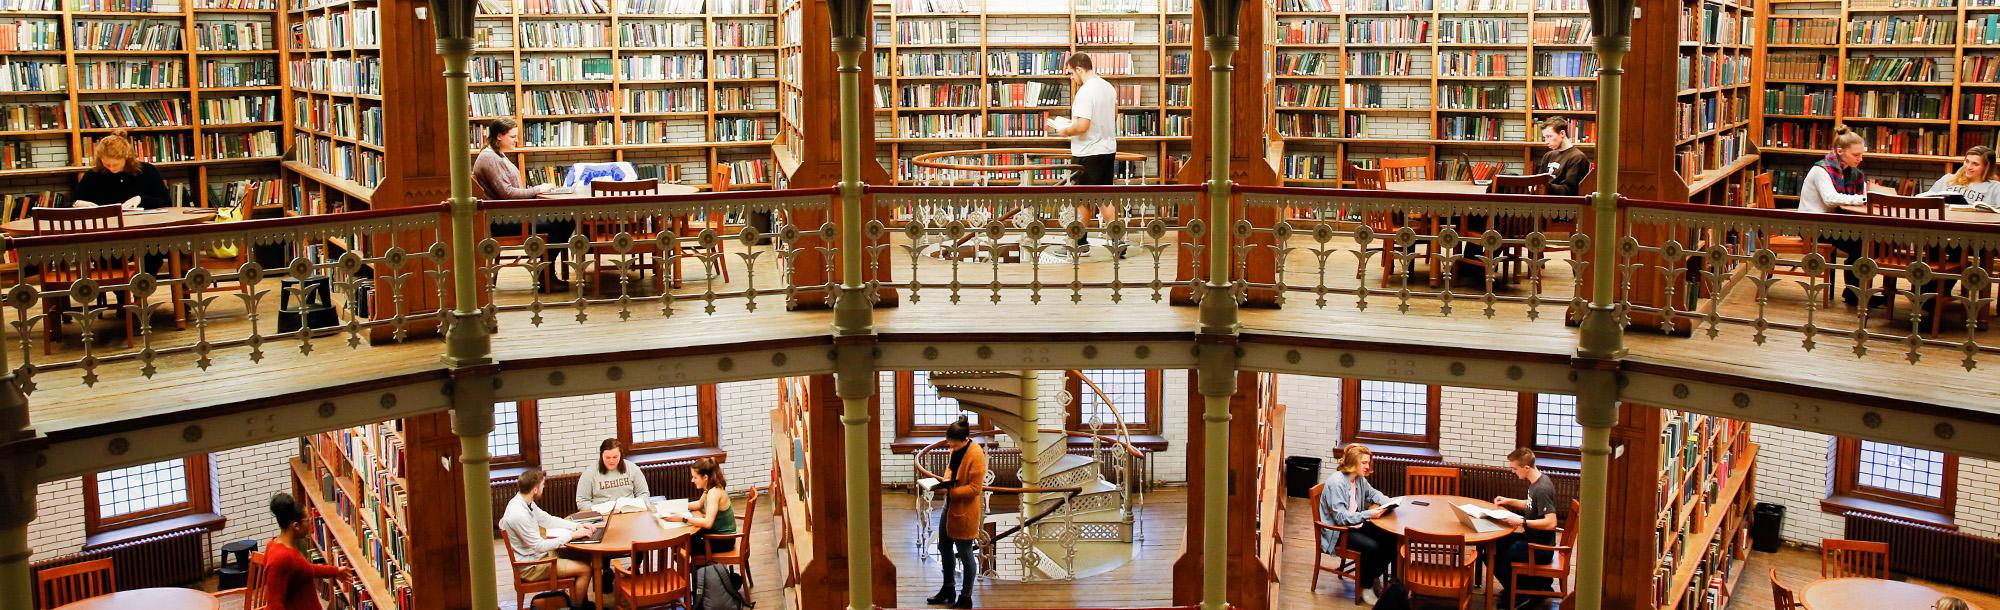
<point>621,505</point>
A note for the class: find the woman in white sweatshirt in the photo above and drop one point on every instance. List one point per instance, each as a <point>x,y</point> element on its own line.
<point>1978,179</point>
<point>1833,182</point>
<point>613,477</point>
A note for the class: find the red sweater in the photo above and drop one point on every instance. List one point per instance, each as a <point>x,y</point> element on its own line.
<point>288,579</point>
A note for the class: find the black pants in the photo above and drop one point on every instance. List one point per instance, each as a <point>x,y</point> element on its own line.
<point>1097,169</point>
<point>1377,549</point>
<point>1851,248</point>
<point>955,555</point>
<point>701,543</point>
<point>1514,548</point>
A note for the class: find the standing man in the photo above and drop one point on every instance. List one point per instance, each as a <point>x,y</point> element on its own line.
<point>524,521</point>
<point>1092,129</point>
<point>964,485</point>
<point>1563,162</point>
<point>1538,518</point>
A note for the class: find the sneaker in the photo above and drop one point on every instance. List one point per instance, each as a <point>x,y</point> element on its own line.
<point>1368,597</point>
<point>942,598</point>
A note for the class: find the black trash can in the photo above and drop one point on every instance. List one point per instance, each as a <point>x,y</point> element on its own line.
<point>1301,474</point>
<point>1766,525</point>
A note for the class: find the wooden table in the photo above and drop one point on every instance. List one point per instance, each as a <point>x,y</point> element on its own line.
<point>620,531</point>
<point>1950,213</point>
<point>134,219</point>
<point>1868,594</point>
<point>665,189</point>
<point>1462,187</point>
<point>1441,517</point>
<point>165,598</point>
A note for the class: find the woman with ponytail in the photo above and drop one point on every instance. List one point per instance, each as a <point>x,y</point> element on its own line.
<point>1834,181</point>
<point>498,178</point>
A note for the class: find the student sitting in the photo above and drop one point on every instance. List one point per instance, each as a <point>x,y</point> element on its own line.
<point>524,521</point>
<point>1344,501</point>
<point>710,512</point>
<point>1978,179</point>
<point>614,477</point>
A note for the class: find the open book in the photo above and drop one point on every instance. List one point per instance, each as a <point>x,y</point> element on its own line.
<point>1060,122</point>
<point>672,507</point>
<point>621,505</point>
<point>1496,514</point>
<point>129,204</point>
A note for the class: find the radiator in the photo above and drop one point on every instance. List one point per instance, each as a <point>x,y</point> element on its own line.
<point>168,559</point>
<point>1931,552</point>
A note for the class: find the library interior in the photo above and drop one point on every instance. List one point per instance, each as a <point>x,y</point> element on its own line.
<point>703,304</point>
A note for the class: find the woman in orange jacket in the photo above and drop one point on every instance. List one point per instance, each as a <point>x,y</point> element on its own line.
<point>964,487</point>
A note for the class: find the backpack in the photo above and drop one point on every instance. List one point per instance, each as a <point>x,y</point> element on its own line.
<point>718,588</point>
<point>1394,596</point>
<point>557,600</point>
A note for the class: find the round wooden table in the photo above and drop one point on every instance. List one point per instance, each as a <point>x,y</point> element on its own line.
<point>665,189</point>
<point>1437,186</point>
<point>1950,213</point>
<point>1868,594</point>
<point>165,598</point>
<point>1441,517</point>
<point>134,219</point>
<point>620,531</point>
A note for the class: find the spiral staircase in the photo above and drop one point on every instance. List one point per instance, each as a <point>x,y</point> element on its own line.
<point>1071,521</point>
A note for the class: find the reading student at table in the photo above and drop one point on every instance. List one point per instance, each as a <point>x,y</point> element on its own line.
<point>1834,181</point>
<point>499,178</point>
<point>524,523</point>
<point>711,512</point>
<point>115,177</point>
<point>1537,514</point>
<point>288,577</point>
<point>1978,180</point>
<point>1343,501</point>
<point>614,478</point>
<point>1566,165</point>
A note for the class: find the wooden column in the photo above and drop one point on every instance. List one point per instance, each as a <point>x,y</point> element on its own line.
<point>811,158</point>
<point>1630,508</point>
<point>415,171</point>
<point>1249,578</point>
<point>1250,124</point>
<point>823,583</point>
<point>437,514</point>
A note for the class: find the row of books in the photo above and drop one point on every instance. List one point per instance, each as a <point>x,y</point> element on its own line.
<point>1909,141</point>
<point>1980,68</point>
<point>1379,63</point>
<point>1103,32</point>
<point>31,35</point>
<point>1030,94</point>
<point>939,95</point>
<point>555,102</point>
<point>126,35</point>
<point>492,103</point>
<point>240,144</point>
<point>1721,70</point>
<point>1804,136</point>
<point>1307,63</point>
<point>1306,95</point>
<point>255,72</point>
<point>1899,69</point>
<point>744,34</point>
<point>1564,97</point>
<point>1795,66</point>
<point>1566,64</point>
<point>325,116</point>
<point>1473,63</point>
<point>1473,129</point>
<point>551,34</point>
<point>20,154</point>
<point>1893,104</point>
<point>125,6</point>
<point>1297,125</point>
<point>631,68</point>
<point>1462,96</point>
<point>1903,30</point>
<point>1178,32</point>
<point>107,74</point>
<point>1980,107</point>
<point>34,116</point>
<point>679,99</point>
<point>1403,30</point>
<point>33,75</point>
<point>729,99</point>
<point>1716,26</point>
<point>1482,30</point>
<point>342,75</point>
<point>1308,166</point>
<point>239,109</point>
<point>232,36</point>
<point>1983,30</point>
<point>934,31</point>
<point>661,34</point>
<point>736,66</point>
<point>345,161</point>
<point>169,112</point>
<point>1307,31</point>
<point>356,28</point>
<point>1799,100</point>
<point>1803,30</point>
<point>155,147</point>
<point>1567,30</point>
<point>1017,125</point>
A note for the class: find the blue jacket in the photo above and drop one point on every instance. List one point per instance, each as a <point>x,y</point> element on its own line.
<point>1333,504</point>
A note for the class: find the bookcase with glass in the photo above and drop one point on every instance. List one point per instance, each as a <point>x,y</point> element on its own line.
<point>674,87</point>
<point>193,83</point>
<point>1919,79</point>
<point>1462,83</point>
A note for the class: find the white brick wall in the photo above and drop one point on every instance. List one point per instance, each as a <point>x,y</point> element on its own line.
<point>1476,426</point>
<point>1794,469</point>
<point>242,480</point>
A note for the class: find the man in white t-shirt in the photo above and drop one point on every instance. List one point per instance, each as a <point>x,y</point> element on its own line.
<point>1092,127</point>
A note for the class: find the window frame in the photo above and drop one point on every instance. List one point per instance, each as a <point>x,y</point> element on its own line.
<point>527,421</point>
<point>906,411</point>
<point>1847,482</point>
<point>1528,413</point>
<point>1155,399</point>
<point>1350,418</point>
<point>200,500</point>
<point>705,424</point>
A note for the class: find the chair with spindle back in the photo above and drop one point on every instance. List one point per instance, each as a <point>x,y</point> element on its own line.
<point>1430,481</point>
<point>1347,564</point>
<point>1383,223</point>
<point>59,275</point>
<point>1510,227</point>
<point>660,573</point>
<point>1405,168</point>
<point>1853,558</point>
<point>1783,597</point>
<point>1895,257</point>
<point>252,591</point>
<point>550,579</point>
<point>738,557</point>
<point>61,585</point>
<point>1556,569</point>
<point>1762,197</point>
<point>1437,565</point>
<point>643,229</point>
<point>721,180</point>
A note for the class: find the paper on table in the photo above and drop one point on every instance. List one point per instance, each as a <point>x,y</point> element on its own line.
<point>672,507</point>
<point>1496,514</point>
<point>621,505</point>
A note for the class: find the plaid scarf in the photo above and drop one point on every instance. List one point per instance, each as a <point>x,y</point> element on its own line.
<point>1846,180</point>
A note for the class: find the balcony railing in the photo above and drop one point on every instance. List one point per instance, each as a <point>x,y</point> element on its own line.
<point>1682,268</point>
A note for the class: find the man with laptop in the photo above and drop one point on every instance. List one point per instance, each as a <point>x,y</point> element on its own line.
<point>533,533</point>
<point>1537,518</point>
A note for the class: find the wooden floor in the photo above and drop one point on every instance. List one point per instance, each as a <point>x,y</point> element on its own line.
<point>1148,580</point>
<point>62,402</point>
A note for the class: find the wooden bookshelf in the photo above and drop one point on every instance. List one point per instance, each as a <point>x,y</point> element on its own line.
<point>675,87</point>
<point>1907,148</point>
<point>1703,503</point>
<point>214,133</point>
<point>992,69</point>
<point>358,482</point>
<point>1455,81</point>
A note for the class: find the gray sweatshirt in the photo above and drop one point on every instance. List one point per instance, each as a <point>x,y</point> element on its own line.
<point>1987,192</point>
<point>594,488</point>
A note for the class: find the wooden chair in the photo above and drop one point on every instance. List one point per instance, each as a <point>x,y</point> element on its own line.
<point>524,587</point>
<point>1853,558</point>
<point>660,573</point>
<point>252,592</point>
<point>513,248</point>
<point>643,229</point>
<point>1894,256</point>
<point>1348,561</point>
<point>1556,570</point>
<point>1382,223</point>
<point>1782,597</point>
<point>1405,168</point>
<point>1430,481</point>
<point>61,585</point>
<point>105,271</point>
<point>1437,565</point>
<point>720,181</point>
<point>1509,259</point>
<point>739,557</point>
<point>1762,197</point>
<point>1533,184</point>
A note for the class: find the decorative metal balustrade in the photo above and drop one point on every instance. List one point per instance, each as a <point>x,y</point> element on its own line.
<point>1680,267</point>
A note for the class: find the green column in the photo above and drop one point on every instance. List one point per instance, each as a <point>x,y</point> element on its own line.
<point>20,448</point>
<point>472,421</point>
<point>853,316</point>
<point>1600,340</point>
<point>1217,336</point>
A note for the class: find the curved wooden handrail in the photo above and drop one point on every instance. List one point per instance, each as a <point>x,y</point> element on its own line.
<point>1095,189</point>
<point>918,459</point>
<point>1565,200</point>
<point>240,226</point>
<point>1124,433</point>
<point>929,159</point>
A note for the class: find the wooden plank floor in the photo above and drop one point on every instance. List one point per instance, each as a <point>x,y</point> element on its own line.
<point>1148,581</point>
<point>62,402</point>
